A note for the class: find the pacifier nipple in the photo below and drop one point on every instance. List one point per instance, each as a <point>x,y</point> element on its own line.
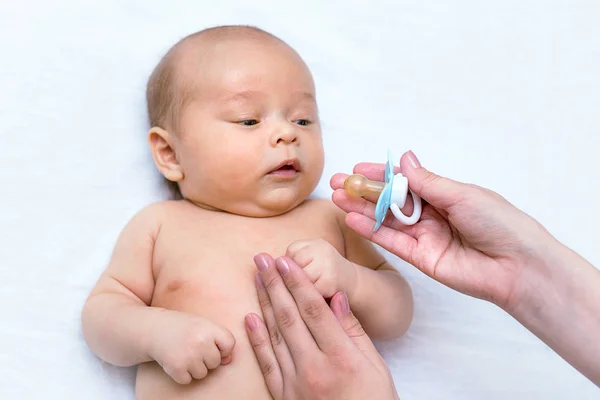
<point>391,194</point>
<point>359,186</point>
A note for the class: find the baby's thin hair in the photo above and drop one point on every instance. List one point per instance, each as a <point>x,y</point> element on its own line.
<point>167,92</point>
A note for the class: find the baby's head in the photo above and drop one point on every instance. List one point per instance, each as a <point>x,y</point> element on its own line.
<point>234,122</point>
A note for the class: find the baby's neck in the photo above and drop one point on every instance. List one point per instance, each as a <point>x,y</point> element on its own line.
<point>202,205</point>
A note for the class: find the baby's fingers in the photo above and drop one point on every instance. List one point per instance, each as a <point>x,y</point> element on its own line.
<point>179,374</point>
<point>198,369</point>
<point>212,358</point>
<point>300,253</point>
<point>225,342</point>
<point>295,247</point>
<point>314,272</point>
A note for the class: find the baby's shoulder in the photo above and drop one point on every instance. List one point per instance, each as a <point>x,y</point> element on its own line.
<point>150,217</point>
<point>325,206</point>
<point>324,209</point>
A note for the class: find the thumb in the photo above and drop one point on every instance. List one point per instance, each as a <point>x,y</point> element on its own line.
<point>438,191</point>
<point>341,308</point>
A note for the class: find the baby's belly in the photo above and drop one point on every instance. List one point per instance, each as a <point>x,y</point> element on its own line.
<point>224,294</point>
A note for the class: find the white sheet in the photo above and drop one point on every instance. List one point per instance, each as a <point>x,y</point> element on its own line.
<point>503,94</point>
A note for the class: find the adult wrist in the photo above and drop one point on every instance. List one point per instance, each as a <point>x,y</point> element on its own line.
<point>542,271</point>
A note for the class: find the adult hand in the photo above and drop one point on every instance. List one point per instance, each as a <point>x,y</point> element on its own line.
<point>474,241</point>
<point>306,349</point>
<point>468,238</point>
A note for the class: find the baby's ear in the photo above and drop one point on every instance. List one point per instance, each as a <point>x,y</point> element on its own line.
<point>163,153</point>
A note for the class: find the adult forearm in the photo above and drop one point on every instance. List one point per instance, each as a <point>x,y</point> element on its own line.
<point>117,329</point>
<point>562,307</point>
<point>382,301</point>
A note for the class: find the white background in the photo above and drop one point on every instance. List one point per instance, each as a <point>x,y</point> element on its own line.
<point>504,94</point>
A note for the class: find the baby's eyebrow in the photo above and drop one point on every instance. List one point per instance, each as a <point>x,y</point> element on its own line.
<point>305,96</point>
<point>241,96</point>
<point>250,95</point>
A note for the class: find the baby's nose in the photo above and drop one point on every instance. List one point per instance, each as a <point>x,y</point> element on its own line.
<point>285,133</point>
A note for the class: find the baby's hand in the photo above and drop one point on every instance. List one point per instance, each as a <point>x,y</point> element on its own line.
<point>328,270</point>
<point>187,346</point>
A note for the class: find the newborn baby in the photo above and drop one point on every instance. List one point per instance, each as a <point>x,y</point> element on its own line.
<point>235,127</point>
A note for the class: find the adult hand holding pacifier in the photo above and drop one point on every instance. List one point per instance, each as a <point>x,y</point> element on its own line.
<point>474,241</point>
<point>469,238</point>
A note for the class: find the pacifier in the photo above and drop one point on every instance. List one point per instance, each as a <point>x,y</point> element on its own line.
<point>392,194</point>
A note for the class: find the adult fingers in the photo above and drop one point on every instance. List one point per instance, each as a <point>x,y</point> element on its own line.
<point>373,171</point>
<point>285,311</point>
<point>278,343</point>
<point>263,351</point>
<point>358,205</point>
<point>315,312</point>
<point>341,309</point>
<point>395,241</point>
<point>438,191</point>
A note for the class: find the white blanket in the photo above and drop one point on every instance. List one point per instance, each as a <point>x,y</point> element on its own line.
<point>503,94</point>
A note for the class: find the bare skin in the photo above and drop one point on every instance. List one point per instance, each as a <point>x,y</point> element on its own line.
<point>181,279</point>
<point>474,241</point>
<point>470,239</point>
<point>183,271</point>
<point>325,353</point>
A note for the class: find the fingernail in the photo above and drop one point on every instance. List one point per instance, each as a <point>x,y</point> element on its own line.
<point>413,160</point>
<point>251,322</point>
<point>344,303</point>
<point>282,266</point>
<point>259,282</point>
<point>226,360</point>
<point>261,262</point>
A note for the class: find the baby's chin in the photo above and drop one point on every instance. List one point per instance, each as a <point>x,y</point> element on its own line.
<point>274,203</point>
<point>281,200</point>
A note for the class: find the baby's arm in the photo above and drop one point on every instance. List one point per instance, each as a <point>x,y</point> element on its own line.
<point>121,327</point>
<point>116,319</point>
<point>381,298</point>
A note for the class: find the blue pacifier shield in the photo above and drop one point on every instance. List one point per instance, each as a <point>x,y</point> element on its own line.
<point>389,168</point>
<point>383,203</point>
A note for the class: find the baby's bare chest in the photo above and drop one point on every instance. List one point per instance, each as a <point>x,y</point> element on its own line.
<point>207,267</point>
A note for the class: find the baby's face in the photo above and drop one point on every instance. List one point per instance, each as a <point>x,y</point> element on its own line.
<point>250,141</point>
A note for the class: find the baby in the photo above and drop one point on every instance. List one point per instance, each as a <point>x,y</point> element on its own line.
<point>235,127</point>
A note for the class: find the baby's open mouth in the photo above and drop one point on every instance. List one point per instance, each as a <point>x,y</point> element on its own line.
<point>288,168</point>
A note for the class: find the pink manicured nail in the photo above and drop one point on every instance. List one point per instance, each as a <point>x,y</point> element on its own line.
<point>251,322</point>
<point>261,262</point>
<point>344,303</point>
<point>413,160</point>
<point>282,266</point>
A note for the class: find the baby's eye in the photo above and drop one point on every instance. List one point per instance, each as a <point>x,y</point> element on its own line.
<point>248,122</point>
<point>303,122</point>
